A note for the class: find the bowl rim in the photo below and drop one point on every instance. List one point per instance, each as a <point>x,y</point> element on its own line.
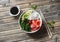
<point>27,31</point>
<point>18,10</point>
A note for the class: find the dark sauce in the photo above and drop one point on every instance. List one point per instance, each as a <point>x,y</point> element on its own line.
<point>14,10</point>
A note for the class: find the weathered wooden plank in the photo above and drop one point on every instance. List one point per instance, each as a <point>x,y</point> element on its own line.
<point>57,27</point>
<point>40,4</point>
<point>50,40</point>
<point>36,40</point>
<point>6,14</point>
<point>52,13</point>
<point>31,0</point>
<point>6,8</point>
<point>10,32</point>
<point>9,23</point>
<point>7,27</point>
<point>3,9</point>
<point>8,20</point>
<point>57,24</point>
<point>7,5</point>
<point>21,2</point>
<point>23,6</point>
<point>37,3</point>
<point>26,1</point>
<point>33,40</point>
<point>2,14</point>
<point>18,37</point>
<point>0,5</point>
<point>29,40</point>
<point>54,17</point>
<point>50,8</point>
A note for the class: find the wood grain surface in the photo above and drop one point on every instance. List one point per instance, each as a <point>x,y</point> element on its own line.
<point>9,28</point>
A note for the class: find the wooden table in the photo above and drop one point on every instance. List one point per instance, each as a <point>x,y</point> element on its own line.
<point>9,29</point>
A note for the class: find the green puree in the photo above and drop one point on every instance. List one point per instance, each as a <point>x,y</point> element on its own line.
<point>24,22</point>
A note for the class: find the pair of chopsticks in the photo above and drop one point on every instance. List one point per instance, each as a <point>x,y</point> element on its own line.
<point>55,38</point>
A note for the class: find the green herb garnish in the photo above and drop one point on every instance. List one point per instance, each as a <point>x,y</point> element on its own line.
<point>34,6</point>
<point>25,25</point>
<point>51,24</point>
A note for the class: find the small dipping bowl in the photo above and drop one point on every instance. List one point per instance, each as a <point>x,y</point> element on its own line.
<point>14,10</point>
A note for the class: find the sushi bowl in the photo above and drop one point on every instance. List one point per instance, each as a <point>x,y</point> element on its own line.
<point>30,21</point>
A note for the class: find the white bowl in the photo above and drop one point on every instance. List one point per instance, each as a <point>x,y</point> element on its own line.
<point>27,31</point>
<point>18,10</point>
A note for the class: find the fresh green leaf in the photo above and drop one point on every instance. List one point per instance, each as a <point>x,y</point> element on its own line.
<point>25,25</point>
<point>33,6</point>
<point>51,24</point>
